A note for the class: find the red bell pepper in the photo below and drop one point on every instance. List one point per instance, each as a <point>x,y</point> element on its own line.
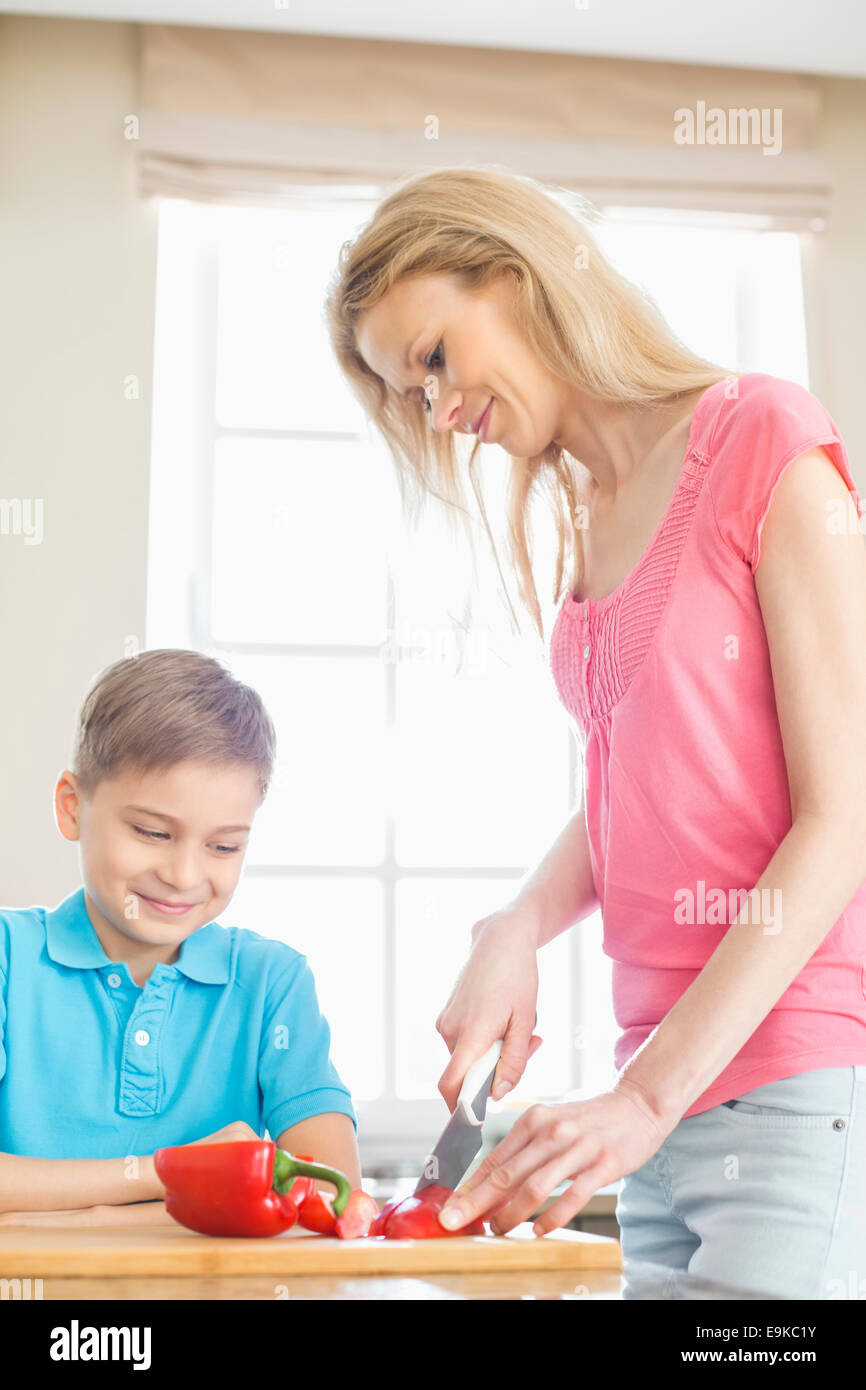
<point>316,1214</point>
<point>239,1188</point>
<point>381,1221</point>
<point>359,1214</point>
<point>302,1188</point>
<point>417,1217</point>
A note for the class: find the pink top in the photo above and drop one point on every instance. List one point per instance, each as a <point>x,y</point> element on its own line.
<point>686,787</point>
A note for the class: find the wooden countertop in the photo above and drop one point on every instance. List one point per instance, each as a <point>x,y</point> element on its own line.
<point>170,1262</point>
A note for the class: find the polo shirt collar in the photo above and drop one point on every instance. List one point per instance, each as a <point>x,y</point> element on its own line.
<point>70,939</point>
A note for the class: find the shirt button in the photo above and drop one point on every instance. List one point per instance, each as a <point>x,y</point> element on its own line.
<point>114,981</point>
<point>142,1037</point>
<point>586,651</point>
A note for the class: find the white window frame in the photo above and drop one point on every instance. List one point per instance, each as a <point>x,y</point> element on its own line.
<point>393,1133</point>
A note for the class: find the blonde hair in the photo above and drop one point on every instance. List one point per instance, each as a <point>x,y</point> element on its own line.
<point>166,705</point>
<point>589,326</point>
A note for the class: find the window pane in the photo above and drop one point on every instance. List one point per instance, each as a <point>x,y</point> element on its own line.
<point>327,802</point>
<point>275,367</point>
<point>482,766</point>
<point>733,294</point>
<point>338,925</point>
<point>596,1029</point>
<point>434,918</point>
<point>298,542</point>
<point>691,275</point>
<point>771,309</point>
<point>477,771</point>
<point>482,763</point>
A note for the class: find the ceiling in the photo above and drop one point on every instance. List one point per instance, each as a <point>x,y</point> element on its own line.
<point>809,36</point>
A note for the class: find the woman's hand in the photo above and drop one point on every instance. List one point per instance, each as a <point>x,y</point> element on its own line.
<point>494,997</point>
<point>588,1143</point>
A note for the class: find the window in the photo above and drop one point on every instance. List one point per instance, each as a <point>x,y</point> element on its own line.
<point>409,800</point>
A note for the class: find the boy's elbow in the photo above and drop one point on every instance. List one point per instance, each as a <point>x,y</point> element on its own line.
<point>330,1139</point>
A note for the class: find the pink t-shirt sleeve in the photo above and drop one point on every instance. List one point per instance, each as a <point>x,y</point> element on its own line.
<point>773,422</point>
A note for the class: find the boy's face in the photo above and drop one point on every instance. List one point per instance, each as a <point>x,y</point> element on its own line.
<point>175,837</point>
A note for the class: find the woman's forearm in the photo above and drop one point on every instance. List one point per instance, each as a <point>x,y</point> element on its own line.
<point>55,1184</point>
<point>811,878</point>
<point>560,891</point>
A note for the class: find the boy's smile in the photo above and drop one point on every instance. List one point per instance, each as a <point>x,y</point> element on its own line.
<point>161,853</point>
<point>168,909</point>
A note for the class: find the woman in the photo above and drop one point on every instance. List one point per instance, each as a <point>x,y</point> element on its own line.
<point>710,646</point>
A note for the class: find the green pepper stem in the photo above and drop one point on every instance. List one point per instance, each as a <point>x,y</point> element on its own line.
<point>287,1168</point>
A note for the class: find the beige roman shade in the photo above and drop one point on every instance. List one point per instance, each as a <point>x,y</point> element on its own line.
<point>235,115</point>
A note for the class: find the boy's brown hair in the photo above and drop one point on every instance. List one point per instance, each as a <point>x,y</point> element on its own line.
<point>166,705</point>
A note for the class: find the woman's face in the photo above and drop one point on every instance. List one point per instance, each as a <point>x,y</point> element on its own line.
<point>465,348</point>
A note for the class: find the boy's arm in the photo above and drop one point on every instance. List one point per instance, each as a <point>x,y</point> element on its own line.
<point>54,1184</point>
<point>113,1188</point>
<point>131,1214</point>
<point>100,1192</point>
<point>330,1138</point>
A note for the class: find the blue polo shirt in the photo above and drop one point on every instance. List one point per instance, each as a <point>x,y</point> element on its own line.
<point>92,1065</point>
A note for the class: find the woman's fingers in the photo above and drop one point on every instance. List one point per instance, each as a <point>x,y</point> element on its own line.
<point>587,1143</point>
<point>467,1051</point>
<point>495,1190</point>
<point>501,1172</point>
<point>498,983</point>
<point>574,1199</point>
<point>518,1045</point>
<point>571,1164</point>
<point>522,1134</point>
<point>513,1058</point>
<point>515,1179</point>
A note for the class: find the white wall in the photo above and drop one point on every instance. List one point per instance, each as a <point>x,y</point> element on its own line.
<point>77,267</point>
<point>840,356</point>
<point>77,271</point>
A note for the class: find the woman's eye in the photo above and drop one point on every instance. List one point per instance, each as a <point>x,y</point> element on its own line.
<point>429,362</point>
<point>228,849</point>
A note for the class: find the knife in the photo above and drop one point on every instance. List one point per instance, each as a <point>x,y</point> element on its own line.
<point>461,1138</point>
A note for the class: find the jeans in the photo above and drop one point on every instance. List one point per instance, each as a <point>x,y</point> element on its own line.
<point>763,1196</point>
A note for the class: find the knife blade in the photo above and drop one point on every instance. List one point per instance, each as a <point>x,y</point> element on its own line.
<point>461,1138</point>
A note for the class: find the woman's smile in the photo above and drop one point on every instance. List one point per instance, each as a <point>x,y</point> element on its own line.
<point>484,422</point>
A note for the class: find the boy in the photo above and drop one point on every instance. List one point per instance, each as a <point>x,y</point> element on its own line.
<point>130,1019</point>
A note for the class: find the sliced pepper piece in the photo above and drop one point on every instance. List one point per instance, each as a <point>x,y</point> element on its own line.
<point>316,1211</point>
<point>315,1214</point>
<point>286,1166</point>
<point>417,1217</point>
<point>381,1221</point>
<point>360,1212</point>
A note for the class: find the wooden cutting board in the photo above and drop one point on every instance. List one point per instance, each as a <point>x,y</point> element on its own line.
<point>40,1252</point>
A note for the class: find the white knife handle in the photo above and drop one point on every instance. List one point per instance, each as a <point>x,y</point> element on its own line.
<point>476,1075</point>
